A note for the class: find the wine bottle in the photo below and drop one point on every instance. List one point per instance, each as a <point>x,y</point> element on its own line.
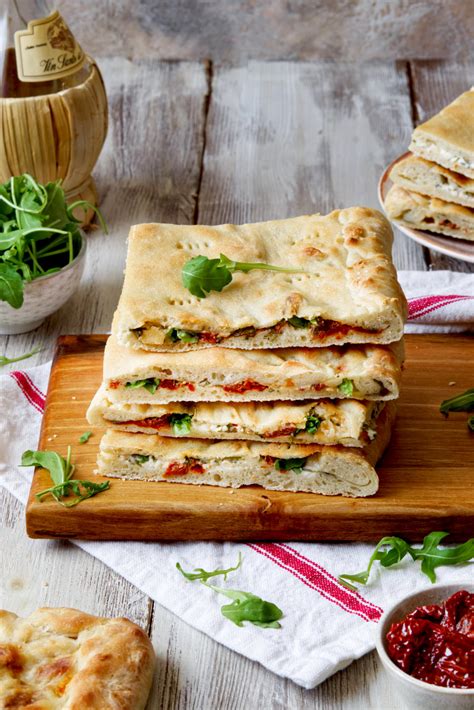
<point>38,53</point>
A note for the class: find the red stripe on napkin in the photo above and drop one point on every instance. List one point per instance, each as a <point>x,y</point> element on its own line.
<point>426,304</point>
<point>34,395</point>
<point>319,579</point>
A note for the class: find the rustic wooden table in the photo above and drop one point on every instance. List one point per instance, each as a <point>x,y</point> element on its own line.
<point>193,142</point>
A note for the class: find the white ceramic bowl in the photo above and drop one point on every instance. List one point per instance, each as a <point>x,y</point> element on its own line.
<point>42,297</point>
<point>416,693</point>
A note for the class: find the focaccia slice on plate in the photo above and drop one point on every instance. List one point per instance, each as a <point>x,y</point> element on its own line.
<point>429,213</point>
<point>224,375</point>
<point>347,290</point>
<point>448,137</point>
<point>65,658</point>
<point>420,175</point>
<point>330,470</point>
<point>330,422</point>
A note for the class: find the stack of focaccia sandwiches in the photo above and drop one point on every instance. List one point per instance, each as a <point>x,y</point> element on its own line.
<point>434,186</point>
<point>285,379</point>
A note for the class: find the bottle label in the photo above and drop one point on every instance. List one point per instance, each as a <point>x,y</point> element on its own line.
<point>47,50</point>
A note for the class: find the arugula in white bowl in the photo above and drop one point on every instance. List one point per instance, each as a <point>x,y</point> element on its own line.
<point>39,234</point>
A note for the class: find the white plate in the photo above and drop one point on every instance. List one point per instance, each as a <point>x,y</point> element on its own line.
<point>457,248</point>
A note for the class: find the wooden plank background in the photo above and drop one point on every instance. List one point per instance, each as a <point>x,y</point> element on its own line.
<point>198,142</point>
<point>238,30</point>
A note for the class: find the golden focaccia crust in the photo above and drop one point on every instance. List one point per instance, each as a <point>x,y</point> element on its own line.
<point>429,213</point>
<point>347,422</point>
<point>329,470</point>
<point>347,278</point>
<point>448,137</point>
<point>420,175</point>
<point>67,659</point>
<point>287,373</point>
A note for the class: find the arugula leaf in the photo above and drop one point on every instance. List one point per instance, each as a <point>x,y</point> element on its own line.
<point>180,424</point>
<point>140,458</point>
<point>201,275</point>
<point>203,576</point>
<point>429,553</point>
<point>61,471</point>
<point>459,403</point>
<point>298,322</point>
<point>8,360</point>
<point>290,464</point>
<point>176,335</point>
<point>248,607</point>
<point>398,548</point>
<point>39,234</point>
<point>312,423</point>
<point>151,384</point>
<point>11,286</point>
<point>346,387</point>
<point>432,556</point>
<point>245,606</point>
<point>84,438</point>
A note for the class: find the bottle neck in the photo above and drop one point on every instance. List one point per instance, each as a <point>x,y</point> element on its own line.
<point>38,52</point>
<point>20,12</point>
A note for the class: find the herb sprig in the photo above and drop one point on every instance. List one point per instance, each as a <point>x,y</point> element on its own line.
<point>346,387</point>
<point>176,335</point>
<point>245,606</point>
<point>201,275</point>
<point>8,360</point>
<point>61,471</point>
<point>296,465</point>
<point>39,233</point>
<point>201,574</point>
<point>460,403</point>
<point>151,384</point>
<point>391,550</point>
<point>180,424</point>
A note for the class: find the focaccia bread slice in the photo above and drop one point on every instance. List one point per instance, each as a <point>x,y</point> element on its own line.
<point>330,470</point>
<point>64,658</point>
<point>224,375</point>
<point>429,213</point>
<point>448,137</point>
<point>328,422</point>
<point>420,175</point>
<point>347,290</point>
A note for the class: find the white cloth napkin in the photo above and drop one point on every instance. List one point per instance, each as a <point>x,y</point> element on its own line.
<point>325,626</point>
<point>438,301</point>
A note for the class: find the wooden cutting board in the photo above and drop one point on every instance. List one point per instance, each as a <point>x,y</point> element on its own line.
<point>426,476</point>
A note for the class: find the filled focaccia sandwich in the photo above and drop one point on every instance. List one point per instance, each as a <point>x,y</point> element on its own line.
<point>220,374</point>
<point>330,470</point>
<point>335,284</point>
<point>429,213</point>
<point>330,422</point>
<point>420,175</point>
<point>448,137</point>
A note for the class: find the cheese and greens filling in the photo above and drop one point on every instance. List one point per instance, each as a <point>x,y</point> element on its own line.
<point>186,424</point>
<point>435,152</point>
<point>319,328</point>
<point>190,465</point>
<point>346,386</point>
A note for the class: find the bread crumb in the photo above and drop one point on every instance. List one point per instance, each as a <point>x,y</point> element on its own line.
<point>73,397</point>
<point>451,384</point>
<point>231,491</point>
